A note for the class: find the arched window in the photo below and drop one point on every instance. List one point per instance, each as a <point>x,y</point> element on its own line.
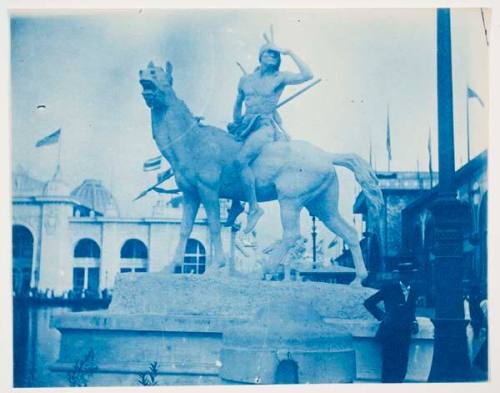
<point>134,254</point>
<point>86,268</point>
<point>87,248</point>
<point>194,258</point>
<point>22,253</point>
<point>134,248</point>
<point>22,242</point>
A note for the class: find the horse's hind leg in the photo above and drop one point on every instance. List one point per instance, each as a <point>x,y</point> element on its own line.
<point>233,213</point>
<point>338,225</point>
<point>290,221</point>
<point>325,208</point>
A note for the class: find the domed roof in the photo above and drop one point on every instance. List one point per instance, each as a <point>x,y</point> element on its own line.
<point>93,195</point>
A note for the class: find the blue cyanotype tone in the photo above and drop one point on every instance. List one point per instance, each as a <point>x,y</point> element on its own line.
<point>236,197</point>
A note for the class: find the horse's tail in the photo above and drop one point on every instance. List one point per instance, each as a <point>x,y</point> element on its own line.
<point>366,178</point>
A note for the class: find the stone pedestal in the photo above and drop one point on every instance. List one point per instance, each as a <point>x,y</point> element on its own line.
<point>179,321</point>
<point>287,343</point>
<point>369,355</point>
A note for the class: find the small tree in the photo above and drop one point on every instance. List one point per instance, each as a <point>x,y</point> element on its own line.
<point>82,370</point>
<point>149,377</point>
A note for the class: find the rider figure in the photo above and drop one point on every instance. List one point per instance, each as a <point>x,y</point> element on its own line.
<point>261,124</point>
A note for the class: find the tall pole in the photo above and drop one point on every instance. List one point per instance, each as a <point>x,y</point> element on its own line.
<point>450,362</point>
<point>446,145</point>
<point>57,174</point>
<point>314,234</point>
<point>468,128</point>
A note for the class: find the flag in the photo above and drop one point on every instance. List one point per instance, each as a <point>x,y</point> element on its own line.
<point>388,139</point>
<point>429,151</point>
<point>165,175</point>
<point>49,139</point>
<point>152,164</point>
<point>472,94</point>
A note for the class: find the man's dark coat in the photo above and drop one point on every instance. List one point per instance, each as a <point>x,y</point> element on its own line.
<point>397,321</point>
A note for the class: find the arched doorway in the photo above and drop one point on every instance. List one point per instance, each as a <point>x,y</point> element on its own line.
<point>287,372</point>
<point>86,268</point>
<point>22,260</point>
<point>134,257</point>
<point>194,258</point>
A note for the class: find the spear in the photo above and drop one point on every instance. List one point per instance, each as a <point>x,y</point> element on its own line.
<point>298,93</point>
<point>162,177</point>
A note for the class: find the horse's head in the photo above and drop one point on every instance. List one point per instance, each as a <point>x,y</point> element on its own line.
<point>156,84</point>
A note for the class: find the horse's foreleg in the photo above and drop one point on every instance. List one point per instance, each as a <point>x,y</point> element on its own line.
<point>210,200</point>
<point>190,206</point>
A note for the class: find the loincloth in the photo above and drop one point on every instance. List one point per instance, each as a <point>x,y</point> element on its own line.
<point>250,123</point>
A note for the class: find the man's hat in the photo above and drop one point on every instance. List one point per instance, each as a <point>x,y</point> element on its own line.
<point>405,267</point>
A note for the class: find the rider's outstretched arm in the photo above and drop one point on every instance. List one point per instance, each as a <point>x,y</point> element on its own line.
<point>304,74</point>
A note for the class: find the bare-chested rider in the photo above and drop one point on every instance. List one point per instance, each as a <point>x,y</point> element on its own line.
<point>261,124</point>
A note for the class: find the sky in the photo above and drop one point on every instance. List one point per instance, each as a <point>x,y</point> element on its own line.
<point>83,67</point>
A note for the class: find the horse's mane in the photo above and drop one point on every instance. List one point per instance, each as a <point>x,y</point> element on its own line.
<point>216,131</point>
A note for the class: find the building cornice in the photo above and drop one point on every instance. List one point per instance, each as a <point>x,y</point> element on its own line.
<point>131,220</point>
<point>44,199</point>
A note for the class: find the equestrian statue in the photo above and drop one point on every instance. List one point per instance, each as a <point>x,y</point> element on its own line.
<point>256,161</point>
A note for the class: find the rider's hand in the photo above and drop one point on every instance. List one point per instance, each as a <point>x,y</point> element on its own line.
<point>284,52</point>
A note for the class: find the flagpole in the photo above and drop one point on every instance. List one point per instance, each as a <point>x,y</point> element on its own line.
<point>388,141</point>
<point>468,126</point>
<point>429,151</point>
<point>58,167</point>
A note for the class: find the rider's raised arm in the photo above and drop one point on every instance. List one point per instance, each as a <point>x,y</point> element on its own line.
<point>304,74</point>
<point>238,103</point>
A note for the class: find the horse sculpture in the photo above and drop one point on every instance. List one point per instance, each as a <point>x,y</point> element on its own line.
<point>296,173</point>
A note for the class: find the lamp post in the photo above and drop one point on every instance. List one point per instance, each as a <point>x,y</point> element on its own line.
<point>314,234</point>
<point>450,362</point>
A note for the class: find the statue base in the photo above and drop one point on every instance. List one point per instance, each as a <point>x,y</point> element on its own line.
<point>179,321</point>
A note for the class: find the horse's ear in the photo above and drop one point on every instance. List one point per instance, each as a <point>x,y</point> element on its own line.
<point>168,71</point>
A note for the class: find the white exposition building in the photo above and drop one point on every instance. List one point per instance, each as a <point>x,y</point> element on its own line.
<point>77,240</point>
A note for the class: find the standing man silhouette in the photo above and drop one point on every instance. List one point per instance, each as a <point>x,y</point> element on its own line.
<point>398,322</point>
